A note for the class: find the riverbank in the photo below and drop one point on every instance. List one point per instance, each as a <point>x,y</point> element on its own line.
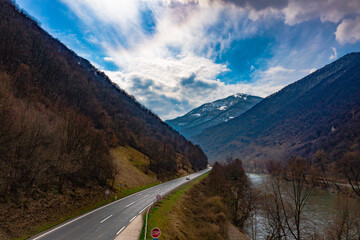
<point>319,216</point>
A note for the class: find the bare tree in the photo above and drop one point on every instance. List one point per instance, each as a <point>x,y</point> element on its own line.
<point>349,167</point>
<point>346,222</point>
<point>321,165</point>
<point>275,225</point>
<point>290,186</point>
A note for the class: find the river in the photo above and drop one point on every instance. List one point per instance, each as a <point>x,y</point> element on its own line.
<point>317,214</point>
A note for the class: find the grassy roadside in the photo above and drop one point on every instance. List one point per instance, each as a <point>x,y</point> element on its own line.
<point>158,215</point>
<point>99,203</point>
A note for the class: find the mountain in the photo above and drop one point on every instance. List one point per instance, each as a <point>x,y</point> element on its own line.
<point>210,114</point>
<point>320,111</point>
<point>67,114</point>
<point>67,133</point>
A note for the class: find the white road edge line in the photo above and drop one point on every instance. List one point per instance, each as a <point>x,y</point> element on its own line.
<point>133,219</point>
<point>120,230</point>
<point>145,207</point>
<point>106,218</point>
<point>130,204</point>
<point>142,210</point>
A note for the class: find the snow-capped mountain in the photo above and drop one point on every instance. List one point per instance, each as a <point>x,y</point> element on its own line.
<point>319,111</point>
<point>210,114</point>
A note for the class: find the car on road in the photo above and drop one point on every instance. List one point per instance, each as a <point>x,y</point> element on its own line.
<point>187,178</point>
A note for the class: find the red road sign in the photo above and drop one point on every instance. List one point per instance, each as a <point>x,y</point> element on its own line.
<point>155,233</point>
<point>158,197</point>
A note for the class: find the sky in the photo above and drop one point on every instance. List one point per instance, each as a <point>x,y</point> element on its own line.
<point>174,55</point>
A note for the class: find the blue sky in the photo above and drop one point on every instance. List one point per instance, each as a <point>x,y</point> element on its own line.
<point>174,55</point>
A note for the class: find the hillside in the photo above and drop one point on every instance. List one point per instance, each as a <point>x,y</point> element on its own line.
<point>213,113</point>
<point>60,121</point>
<point>39,69</point>
<point>320,111</point>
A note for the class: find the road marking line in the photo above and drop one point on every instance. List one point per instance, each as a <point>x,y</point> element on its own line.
<point>133,219</point>
<point>130,204</point>
<point>142,210</point>
<point>149,205</point>
<point>143,197</point>
<point>120,230</point>
<point>145,208</point>
<point>106,218</point>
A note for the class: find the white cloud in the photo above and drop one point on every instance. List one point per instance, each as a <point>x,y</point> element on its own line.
<point>298,11</point>
<point>348,31</point>
<point>158,68</point>
<point>153,66</point>
<point>334,54</point>
<point>108,59</point>
<point>326,10</point>
<point>277,77</point>
<point>312,70</point>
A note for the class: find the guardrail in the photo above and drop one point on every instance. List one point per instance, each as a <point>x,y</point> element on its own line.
<point>162,197</point>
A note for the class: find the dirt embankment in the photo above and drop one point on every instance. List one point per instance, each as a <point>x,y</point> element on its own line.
<point>198,215</point>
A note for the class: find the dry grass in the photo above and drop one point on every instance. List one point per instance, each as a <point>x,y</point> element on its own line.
<point>132,166</point>
<point>24,217</point>
<point>191,213</point>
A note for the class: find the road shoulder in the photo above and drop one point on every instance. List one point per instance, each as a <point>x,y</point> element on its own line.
<point>132,231</point>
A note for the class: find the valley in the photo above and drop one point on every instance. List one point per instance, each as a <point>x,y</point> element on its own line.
<point>214,119</point>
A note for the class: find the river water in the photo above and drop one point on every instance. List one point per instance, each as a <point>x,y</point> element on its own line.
<point>317,214</point>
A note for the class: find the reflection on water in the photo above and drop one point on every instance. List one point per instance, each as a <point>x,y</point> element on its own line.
<point>317,213</point>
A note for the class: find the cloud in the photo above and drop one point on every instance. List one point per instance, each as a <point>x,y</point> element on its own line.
<point>171,100</point>
<point>108,59</point>
<point>326,10</point>
<point>259,4</point>
<point>191,82</point>
<point>277,76</point>
<point>297,11</point>
<point>334,54</point>
<point>348,31</point>
<point>142,84</point>
<point>312,70</point>
<point>169,64</point>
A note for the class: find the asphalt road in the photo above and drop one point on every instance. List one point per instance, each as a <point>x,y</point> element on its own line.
<point>107,222</point>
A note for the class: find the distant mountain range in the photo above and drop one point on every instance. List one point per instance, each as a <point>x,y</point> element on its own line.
<point>320,111</point>
<point>213,113</point>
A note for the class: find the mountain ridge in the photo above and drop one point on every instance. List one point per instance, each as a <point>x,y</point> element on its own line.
<point>254,134</point>
<point>212,113</point>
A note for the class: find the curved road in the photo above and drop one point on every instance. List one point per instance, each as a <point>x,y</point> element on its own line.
<point>107,222</point>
